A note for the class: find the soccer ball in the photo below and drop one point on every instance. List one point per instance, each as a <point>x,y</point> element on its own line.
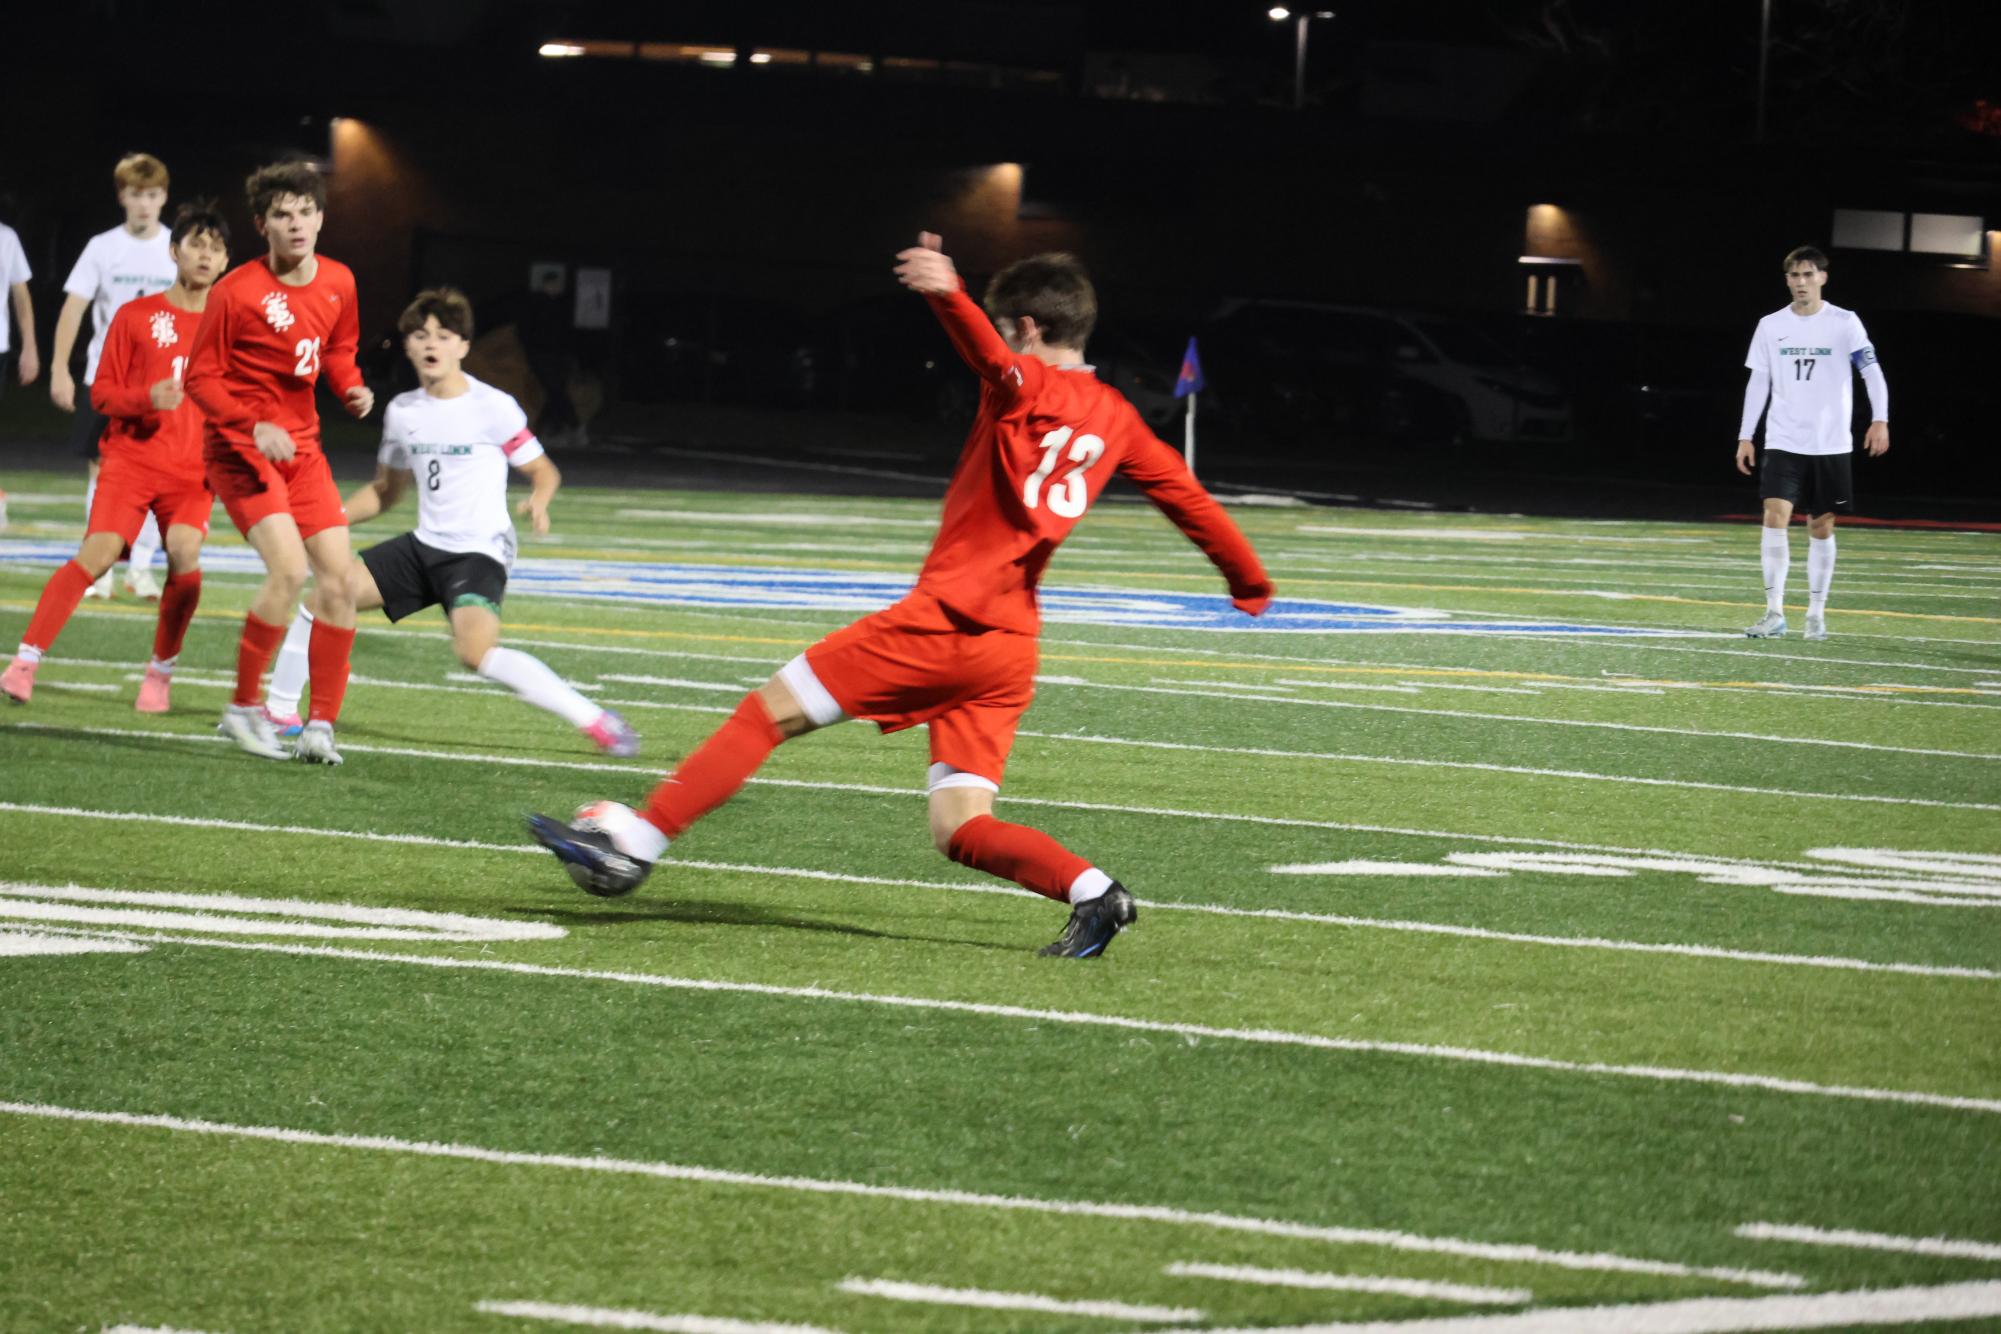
<point>622,874</point>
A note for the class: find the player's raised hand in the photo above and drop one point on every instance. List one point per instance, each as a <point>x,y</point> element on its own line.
<point>273,441</point>
<point>1744,457</point>
<point>359,401</point>
<point>1877,439</point>
<point>538,514</point>
<point>166,394</point>
<point>925,268</point>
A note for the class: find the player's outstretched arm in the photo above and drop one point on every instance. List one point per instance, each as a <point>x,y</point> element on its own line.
<point>545,479</point>
<point>1155,468</point>
<point>379,495</point>
<point>925,269</point>
<point>69,322</point>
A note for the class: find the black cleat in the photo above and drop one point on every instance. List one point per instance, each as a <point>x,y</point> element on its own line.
<point>1093,924</point>
<point>590,857</point>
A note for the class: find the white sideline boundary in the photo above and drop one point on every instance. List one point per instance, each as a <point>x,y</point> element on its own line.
<point>1501,1252</point>
<point>601,766</point>
<point>983,1299</point>
<point>1950,1247</point>
<point>1702,1315</point>
<point>1421,1289</point>
<point>1256,1036</point>
<point>1156,905</point>
<point>608,1317</point>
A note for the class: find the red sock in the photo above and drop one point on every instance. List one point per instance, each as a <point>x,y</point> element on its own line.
<point>177,608</point>
<point>59,598</point>
<point>253,654</point>
<point>711,775</point>
<point>1015,852</point>
<point>326,659</point>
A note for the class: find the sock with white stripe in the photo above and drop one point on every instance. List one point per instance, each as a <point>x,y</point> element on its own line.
<point>288,678</point>
<point>1819,573</point>
<point>530,678</point>
<point>1776,556</point>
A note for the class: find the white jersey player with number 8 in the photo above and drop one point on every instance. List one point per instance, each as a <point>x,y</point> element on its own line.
<point>1804,359</point>
<point>453,439</point>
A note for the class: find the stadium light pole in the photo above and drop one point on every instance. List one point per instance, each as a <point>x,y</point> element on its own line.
<point>1279,14</point>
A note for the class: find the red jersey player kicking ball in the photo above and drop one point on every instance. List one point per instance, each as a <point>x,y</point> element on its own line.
<point>152,459</point>
<point>959,652</point>
<point>271,326</point>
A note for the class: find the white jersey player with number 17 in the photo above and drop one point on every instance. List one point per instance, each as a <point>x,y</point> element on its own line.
<point>453,439</point>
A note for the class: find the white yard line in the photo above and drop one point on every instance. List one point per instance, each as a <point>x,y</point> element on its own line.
<point>1155,905</point>
<point>1702,1315</point>
<point>606,1317</point>
<point>18,943</point>
<point>1254,1036</point>
<point>981,1298</point>
<point>1501,1252</point>
<point>1422,1289</point>
<point>1951,1247</point>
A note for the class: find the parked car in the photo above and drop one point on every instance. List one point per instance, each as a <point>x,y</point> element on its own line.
<point>1298,368</point>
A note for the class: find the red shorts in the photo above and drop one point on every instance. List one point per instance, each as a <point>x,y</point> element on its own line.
<point>127,490</point>
<point>920,662</point>
<point>253,488</point>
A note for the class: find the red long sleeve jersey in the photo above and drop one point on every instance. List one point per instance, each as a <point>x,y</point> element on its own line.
<point>261,348</point>
<point>1044,445</point>
<point>149,340</point>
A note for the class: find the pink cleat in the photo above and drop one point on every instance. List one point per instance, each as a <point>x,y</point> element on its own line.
<point>612,735</point>
<point>284,724</point>
<point>153,692</point>
<point>18,681</point>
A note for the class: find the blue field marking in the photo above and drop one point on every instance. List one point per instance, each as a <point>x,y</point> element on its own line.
<point>682,584</point>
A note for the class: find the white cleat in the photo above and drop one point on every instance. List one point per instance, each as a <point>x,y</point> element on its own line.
<point>315,745</point>
<point>1816,627</point>
<point>103,588</point>
<point>251,731</point>
<point>1772,625</point>
<point>142,584</point>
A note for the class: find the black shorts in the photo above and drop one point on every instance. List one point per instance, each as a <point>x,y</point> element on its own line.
<point>411,576</point>
<point>1814,483</point>
<point>90,424</point>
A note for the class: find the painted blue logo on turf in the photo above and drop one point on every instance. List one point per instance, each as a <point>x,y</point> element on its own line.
<point>739,586</point>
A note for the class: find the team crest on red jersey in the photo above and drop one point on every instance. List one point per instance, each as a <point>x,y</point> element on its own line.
<point>164,333</point>
<point>276,311</point>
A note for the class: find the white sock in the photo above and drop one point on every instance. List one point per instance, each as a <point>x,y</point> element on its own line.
<point>163,667</point>
<point>89,499</point>
<point>529,677</point>
<point>1089,884</point>
<point>1819,573</point>
<point>641,839</point>
<point>288,676</point>
<point>29,654</point>
<point>144,546</point>
<point>1776,556</point>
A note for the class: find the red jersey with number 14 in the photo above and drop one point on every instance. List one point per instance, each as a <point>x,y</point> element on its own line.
<point>1044,445</point>
<point>148,341</point>
<point>262,345</point>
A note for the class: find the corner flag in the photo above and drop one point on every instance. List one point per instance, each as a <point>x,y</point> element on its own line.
<point>1189,381</point>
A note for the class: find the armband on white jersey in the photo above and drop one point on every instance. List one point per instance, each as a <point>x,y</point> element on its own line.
<point>1871,371</point>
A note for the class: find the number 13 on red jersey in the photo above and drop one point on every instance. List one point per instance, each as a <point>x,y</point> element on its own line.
<point>1068,498</point>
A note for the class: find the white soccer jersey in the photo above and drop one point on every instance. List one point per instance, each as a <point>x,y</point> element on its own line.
<point>1812,361</point>
<point>13,269</point>
<point>115,267</point>
<point>460,448</point>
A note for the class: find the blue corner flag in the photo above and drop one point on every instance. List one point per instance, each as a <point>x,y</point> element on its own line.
<point>1190,380</point>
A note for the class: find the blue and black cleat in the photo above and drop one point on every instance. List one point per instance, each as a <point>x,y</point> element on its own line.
<point>1093,924</point>
<point>590,857</point>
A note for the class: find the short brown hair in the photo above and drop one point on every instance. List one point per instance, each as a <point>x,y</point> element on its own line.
<point>268,184</point>
<point>1053,290</point>
<point>1805,254</point>
<point>447,304</point>
<point>139,171</point>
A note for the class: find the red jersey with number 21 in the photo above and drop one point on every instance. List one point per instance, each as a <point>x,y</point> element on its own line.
<point>1044,445</point>
<point>261,348</point>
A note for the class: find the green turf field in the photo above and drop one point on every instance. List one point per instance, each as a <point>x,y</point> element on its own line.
<point>1477,975</point>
